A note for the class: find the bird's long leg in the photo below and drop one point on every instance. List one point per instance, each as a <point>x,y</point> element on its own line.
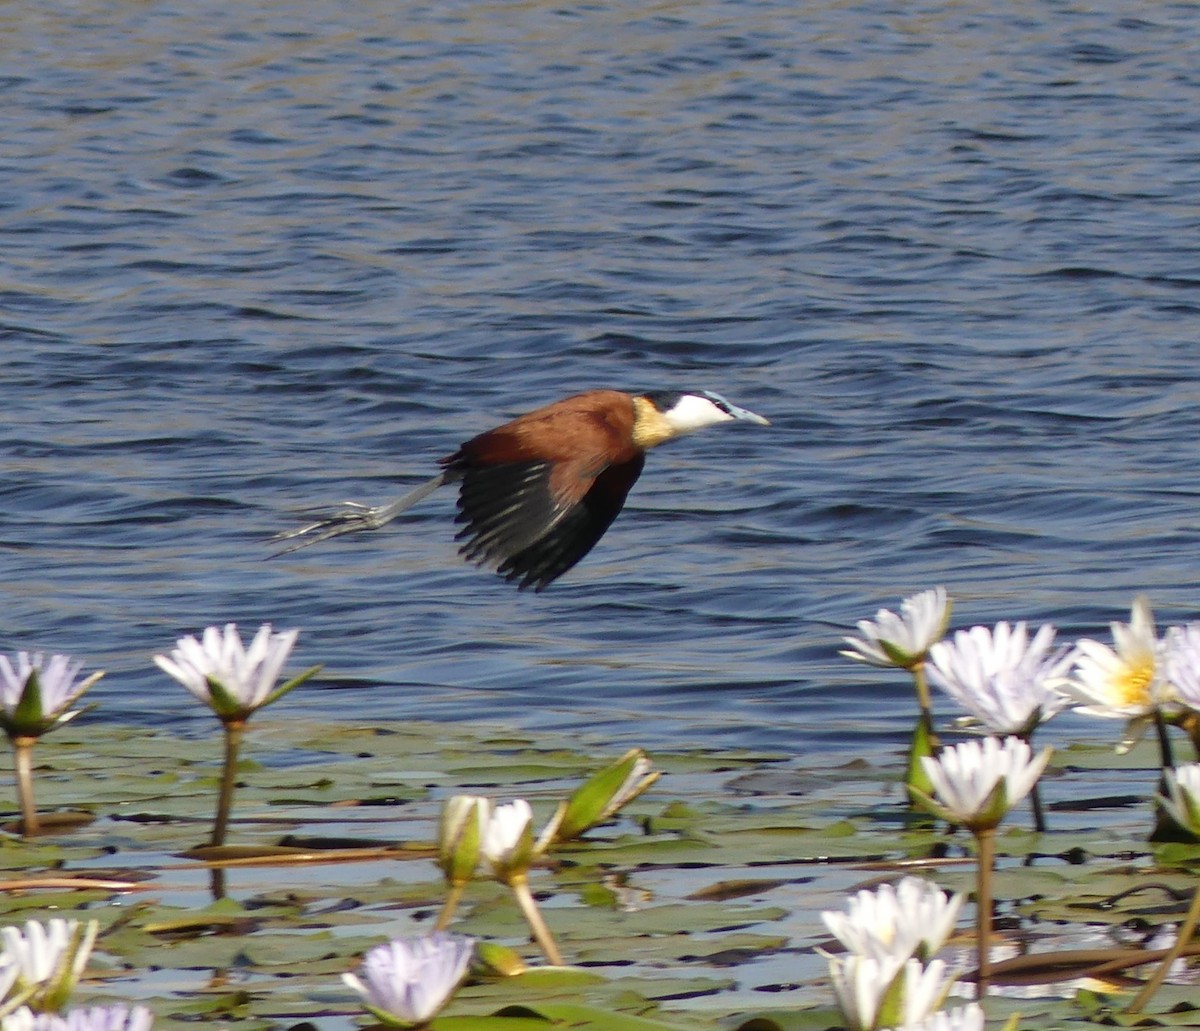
<point>351,517</point>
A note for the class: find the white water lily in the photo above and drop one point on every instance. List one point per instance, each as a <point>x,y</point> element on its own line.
<point>1124,681</point>
<point>96,1018</point>
<point>902,641</point>
<point>1002,678</point>
<point>228,677</point>
<point>406,982</point>
<point>964,1018</point>
<point>36,693</point>
<point>913,918</point>
<point>1181,664</point>
<point>43,962</point>
<point>977,782</point>
<point>874,993</point>
<point>1182,800</point>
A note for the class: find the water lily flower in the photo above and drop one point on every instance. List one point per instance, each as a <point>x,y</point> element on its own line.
<point>913,918</point>
<point>605,793</point>
<point>228,677</point>
<point>1182,799</point>
<point>406,982</point>
<point>874,993</point>
<point>1181,664</point>
<point>1002,678</point>
<point>97,1018</point>
<point>36,696</point>
<point>1125,681</point>
<point>976,783</point>
<point>509,848</point>
<point>964,1018</point>
<point>902,641</point>
<point>43,963</point>
<point>233,681</point>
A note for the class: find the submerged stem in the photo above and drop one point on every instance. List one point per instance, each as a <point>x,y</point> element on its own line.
<point>1186,929</point>
<point>520,888</point>
<point>23,766</point>
<point>986,841</point>
<point>233,743</point>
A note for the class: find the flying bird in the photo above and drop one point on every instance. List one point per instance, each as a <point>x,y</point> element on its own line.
<point>536,494</point>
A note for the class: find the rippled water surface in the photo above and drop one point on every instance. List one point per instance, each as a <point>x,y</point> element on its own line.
<point>260,256</point>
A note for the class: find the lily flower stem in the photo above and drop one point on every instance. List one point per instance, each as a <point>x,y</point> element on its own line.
<point>1182,939</point>
<point>541,933</point>
<point>23,766</point>
<point>1164,742</point>
<point>921,683</point>
<point>453,897</point>
<point>233,743</point>
<point>986,842</point>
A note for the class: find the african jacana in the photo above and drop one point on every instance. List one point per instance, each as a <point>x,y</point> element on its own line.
<point>537,493</point>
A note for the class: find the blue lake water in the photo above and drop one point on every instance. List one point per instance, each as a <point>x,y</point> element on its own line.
<point>267,255</point>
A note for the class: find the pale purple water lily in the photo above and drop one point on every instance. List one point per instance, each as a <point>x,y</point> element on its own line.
<point>963,1018</point>
<point>912,918</point>
<point>976,783</point>
<point>902,641</point>
<point>95,1018</point>
<point>43,962</point>
<point>407,982</point>
<point>36,693</point>
<point>231,679</point>
<point>1006,681</point>
<point>874,993</point>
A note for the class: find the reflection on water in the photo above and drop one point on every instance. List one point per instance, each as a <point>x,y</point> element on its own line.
<point>274,255</point>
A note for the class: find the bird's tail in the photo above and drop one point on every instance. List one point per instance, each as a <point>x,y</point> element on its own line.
<point>351,517</point>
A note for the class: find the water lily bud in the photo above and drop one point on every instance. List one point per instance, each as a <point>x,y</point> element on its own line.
<point>508,841</point>
<point>464,822</point>
<point>603,794</point>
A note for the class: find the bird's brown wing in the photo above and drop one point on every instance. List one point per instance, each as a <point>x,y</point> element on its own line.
<point>538,492</point>
<point>576,532</point>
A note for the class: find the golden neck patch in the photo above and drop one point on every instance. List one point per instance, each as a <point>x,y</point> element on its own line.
<point>650,426</point>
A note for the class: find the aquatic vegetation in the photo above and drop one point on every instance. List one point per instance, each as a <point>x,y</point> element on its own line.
<point>658,899</point>
<point>510,850</point>
<point>96,1018</point>
<point>911,918</point>
<point>41,964</point>
<point>407,982</point>
<point>36,696</point>
<point>233,681</point>
<point>975,784</point>
<point>903,641</point>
